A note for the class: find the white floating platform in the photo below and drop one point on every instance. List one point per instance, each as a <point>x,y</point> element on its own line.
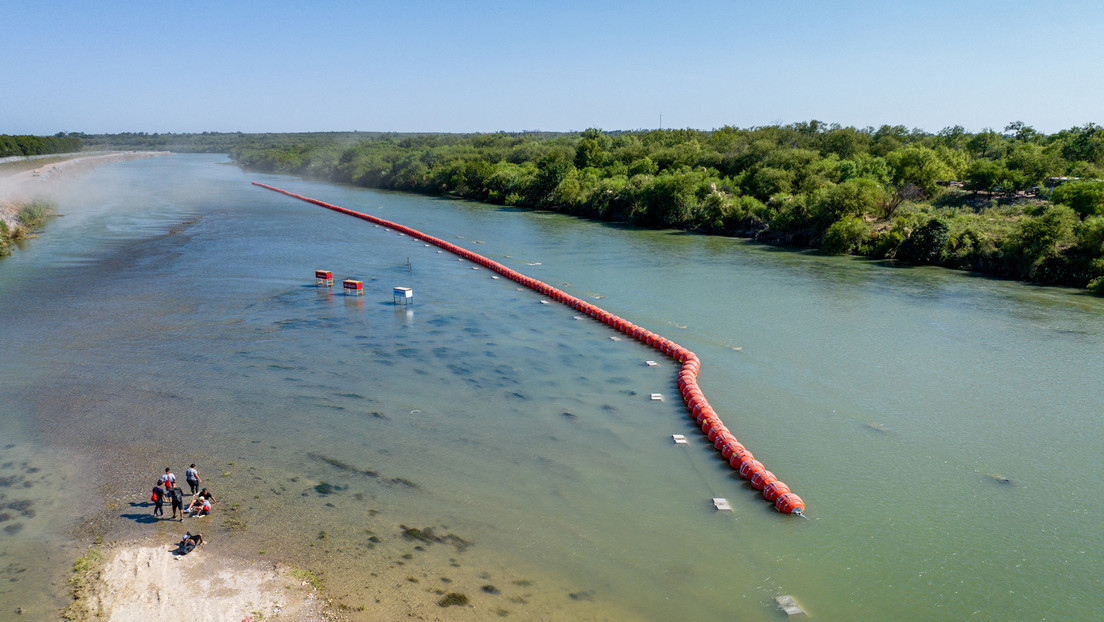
<point>721,504</point>
<point>544,302</point>
<point>578,317</point>
<point>789,606</point>
<point>494,277</point>
<point>651,363</point>
<point>680,439</point>
<point>615,338</point>
<point>657,397</point>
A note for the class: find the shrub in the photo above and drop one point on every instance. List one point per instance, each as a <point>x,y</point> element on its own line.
<point>34,214</point>
<point>926,245</point>
<point>844,236</point>
<point>1040,237</point>
<point>1085,197</point>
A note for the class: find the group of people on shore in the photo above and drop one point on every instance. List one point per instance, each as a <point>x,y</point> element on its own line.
<point>166,488</point>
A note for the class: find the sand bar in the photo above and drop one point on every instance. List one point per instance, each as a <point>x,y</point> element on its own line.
<point>151,580</point>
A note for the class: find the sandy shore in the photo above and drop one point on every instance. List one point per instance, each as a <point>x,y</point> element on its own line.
<point>19,184</point>
<point>150,580</point>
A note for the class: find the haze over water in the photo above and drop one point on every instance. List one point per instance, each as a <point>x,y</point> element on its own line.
<point>943,429</point>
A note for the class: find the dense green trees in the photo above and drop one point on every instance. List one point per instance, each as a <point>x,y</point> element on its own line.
<point>969,201</point>
<point>38,145</point>
<point>1085,197</point>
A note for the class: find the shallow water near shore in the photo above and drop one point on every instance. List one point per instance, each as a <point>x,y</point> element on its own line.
<point>943,429</point>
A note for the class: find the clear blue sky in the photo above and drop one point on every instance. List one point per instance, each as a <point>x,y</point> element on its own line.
<point>478,65</point>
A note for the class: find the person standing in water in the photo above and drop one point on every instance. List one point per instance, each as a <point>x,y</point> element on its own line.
<point>158,501</point>
<point>192,477</point>
<point>176,496</point>
<point>168,480</point>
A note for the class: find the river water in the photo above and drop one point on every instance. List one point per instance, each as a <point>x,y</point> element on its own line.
<point>943,429</point>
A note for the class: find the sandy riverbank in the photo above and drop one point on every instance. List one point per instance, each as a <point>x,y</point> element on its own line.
<point>19,184</point>
<point>151,580</point>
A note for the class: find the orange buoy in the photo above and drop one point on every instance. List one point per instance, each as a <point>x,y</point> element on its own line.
<point>716,430</point>
<point>789,503</point>
<point>739,457</point>
<point>761,478</point>
<point>747,469</point>
<point>706,413</point>
<point>722,439</point>
<point>698,412</point>
<point>731,446</point>
<point>774,490</point>
<point>709,423</point>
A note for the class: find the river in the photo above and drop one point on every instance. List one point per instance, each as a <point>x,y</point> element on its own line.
<point>943,429</point>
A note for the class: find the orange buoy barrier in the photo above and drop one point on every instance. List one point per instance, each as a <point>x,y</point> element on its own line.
<point>737,455</point>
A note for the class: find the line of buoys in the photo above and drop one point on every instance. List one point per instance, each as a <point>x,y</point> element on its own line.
<point>736,454</point>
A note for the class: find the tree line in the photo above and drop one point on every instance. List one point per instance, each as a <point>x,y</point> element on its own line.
<point>1018,203</point>
<point>38,145</point>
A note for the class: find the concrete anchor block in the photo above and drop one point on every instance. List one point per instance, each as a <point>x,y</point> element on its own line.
<point>789,606</point>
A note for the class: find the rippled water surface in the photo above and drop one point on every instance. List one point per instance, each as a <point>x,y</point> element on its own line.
<point>943,429</point>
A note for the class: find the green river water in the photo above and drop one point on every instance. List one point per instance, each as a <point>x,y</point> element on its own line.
<point>944,430</point>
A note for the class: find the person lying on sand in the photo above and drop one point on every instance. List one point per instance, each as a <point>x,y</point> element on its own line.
<point>189,542</point>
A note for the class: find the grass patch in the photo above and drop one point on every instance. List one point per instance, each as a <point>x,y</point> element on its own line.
<point>308,576</point>
<point>85,573</point>
<point>34,215</point>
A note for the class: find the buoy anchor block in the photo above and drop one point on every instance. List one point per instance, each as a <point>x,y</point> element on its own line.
<point>679,439</point>
<point>657,397</point>
<point>651,363</point>
<point>789,606</point>
<point>403,295</point>
<point>721,504</point>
